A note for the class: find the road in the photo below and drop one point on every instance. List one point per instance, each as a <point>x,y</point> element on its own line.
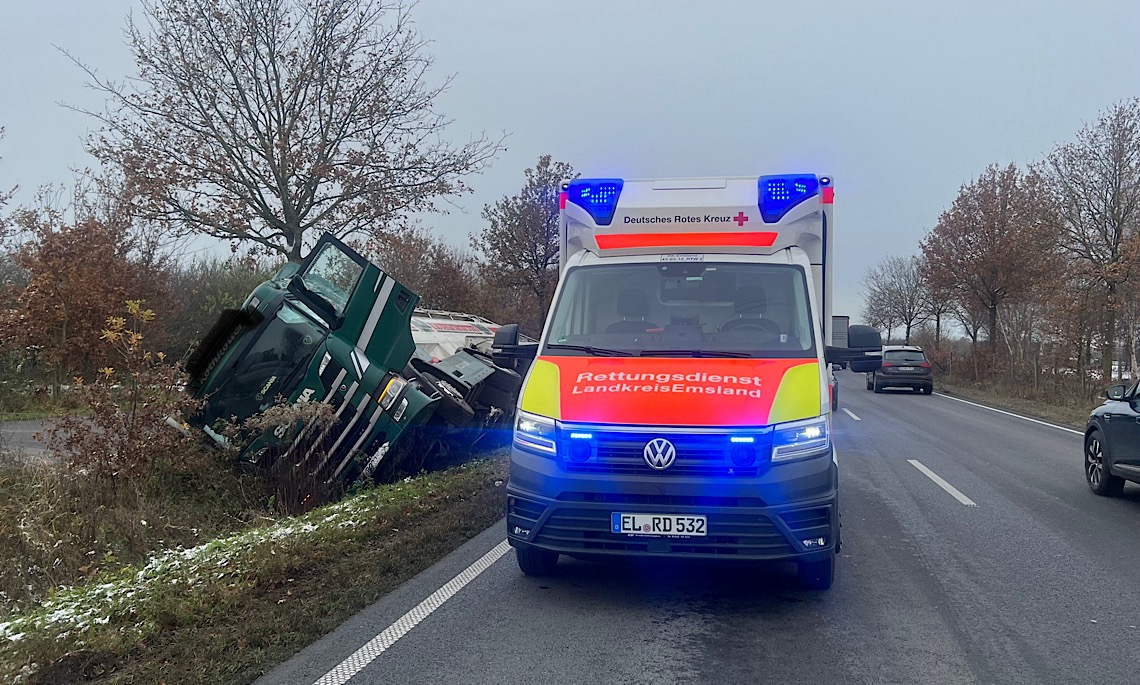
<point>20,437</point>
<point>1037,582</point>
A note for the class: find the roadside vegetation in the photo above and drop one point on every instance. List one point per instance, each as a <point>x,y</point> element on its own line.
<point>1025,291</point>
<point>226,609</point>
<point>133,553</point>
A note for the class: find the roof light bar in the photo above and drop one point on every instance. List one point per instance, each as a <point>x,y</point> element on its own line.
<point>598,196</point>
<point>779,194</point>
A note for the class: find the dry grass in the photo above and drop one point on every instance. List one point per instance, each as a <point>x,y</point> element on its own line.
<point>59,527</point>
<point>1068,410</point>
<point>227,611</point>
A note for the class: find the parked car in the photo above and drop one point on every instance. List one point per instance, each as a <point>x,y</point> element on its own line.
<point>1112,441</point>
<point>904,366</point>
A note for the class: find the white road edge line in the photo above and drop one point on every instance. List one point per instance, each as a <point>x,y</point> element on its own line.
<point>850,413</point>
<point>957,494</point>
<point>346,669</point>
<point>1009,413</point>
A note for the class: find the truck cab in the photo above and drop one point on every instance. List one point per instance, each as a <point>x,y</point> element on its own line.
<point>333,328</point>
<point>679,405</point>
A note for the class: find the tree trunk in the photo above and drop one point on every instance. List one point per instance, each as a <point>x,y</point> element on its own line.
<point>993,332</point>
<point>1109,336</point>
<point>937,331</point>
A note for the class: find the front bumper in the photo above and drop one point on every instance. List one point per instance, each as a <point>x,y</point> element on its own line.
<point>780,515</point>
<point>905,380</point>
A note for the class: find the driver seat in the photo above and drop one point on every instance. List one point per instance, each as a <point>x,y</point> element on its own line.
<point>632,307</point>
<point>751,304</point>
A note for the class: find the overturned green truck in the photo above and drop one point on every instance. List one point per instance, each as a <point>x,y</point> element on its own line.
<point>336,329</point>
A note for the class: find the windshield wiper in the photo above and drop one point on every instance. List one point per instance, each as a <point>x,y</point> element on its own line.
<point>693,353</point>
<point>589,349</point>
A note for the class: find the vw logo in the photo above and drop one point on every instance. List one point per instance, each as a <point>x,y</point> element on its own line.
<point>660,454</point>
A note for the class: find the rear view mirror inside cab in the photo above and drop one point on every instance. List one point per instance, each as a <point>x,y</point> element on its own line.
<point>694,283</point>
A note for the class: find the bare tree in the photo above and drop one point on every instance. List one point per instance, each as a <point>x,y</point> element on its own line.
<point>992,245</point>
<point>269,121</point>
<point>939,301</point>
<point>1094,182</point>
<point>519,244</point>
<point>444,276</point>
<point>894,294</point>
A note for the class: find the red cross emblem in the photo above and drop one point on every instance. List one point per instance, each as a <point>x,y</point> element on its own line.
<point>740,219</point>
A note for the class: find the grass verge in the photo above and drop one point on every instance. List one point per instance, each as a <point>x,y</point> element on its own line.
<point>228,610</point>
<point>1064,411</point>
<point>60,526</point>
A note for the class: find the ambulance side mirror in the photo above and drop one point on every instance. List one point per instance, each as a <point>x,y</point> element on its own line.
<point>507,336</point>
<point>864,351</point>
<point>507,352</point>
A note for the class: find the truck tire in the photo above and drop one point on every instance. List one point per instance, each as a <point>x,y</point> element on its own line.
<point>817,575</point>
<point>536,562</point>
<point>494,397</point>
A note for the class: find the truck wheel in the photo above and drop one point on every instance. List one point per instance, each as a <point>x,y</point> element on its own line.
<point>494,397</point>
<point>817,575</point>
<point>536,562</point>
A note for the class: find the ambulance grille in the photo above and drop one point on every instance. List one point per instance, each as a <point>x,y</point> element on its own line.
<point>809,523</point>
<point>698,454</point>
<point>730,535</point>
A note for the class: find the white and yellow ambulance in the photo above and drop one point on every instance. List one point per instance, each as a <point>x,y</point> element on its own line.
<point>679,402</point>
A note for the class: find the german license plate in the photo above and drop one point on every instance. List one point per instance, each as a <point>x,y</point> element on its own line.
<point>659,524</point>
<point>906,368</point>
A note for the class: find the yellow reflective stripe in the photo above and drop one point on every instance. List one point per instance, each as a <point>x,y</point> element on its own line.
<point>798,396</point>
<point>541,395</point>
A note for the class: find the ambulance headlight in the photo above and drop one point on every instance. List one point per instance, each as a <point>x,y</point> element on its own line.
<point>535,433</point>
<point>801,440</point>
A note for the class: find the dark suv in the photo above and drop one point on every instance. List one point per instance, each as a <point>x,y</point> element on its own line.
<point>904,366</point>
<point>1112,437</point>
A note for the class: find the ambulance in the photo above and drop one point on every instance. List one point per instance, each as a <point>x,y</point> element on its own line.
<point>679,402</point>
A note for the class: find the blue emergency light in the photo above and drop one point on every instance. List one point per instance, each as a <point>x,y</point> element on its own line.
<point>779,194</point>
<point>598,196</point>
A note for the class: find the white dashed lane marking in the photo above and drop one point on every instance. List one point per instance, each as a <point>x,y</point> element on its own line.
<point>942,483</point>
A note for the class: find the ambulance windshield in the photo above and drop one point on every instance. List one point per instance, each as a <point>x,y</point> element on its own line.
<point>686,309</point>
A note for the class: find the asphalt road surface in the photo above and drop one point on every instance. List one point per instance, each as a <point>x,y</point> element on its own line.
<point>20,437</point>
<point>1014,574</point>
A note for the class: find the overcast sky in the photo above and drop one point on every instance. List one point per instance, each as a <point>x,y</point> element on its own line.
<point>900,101</point>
